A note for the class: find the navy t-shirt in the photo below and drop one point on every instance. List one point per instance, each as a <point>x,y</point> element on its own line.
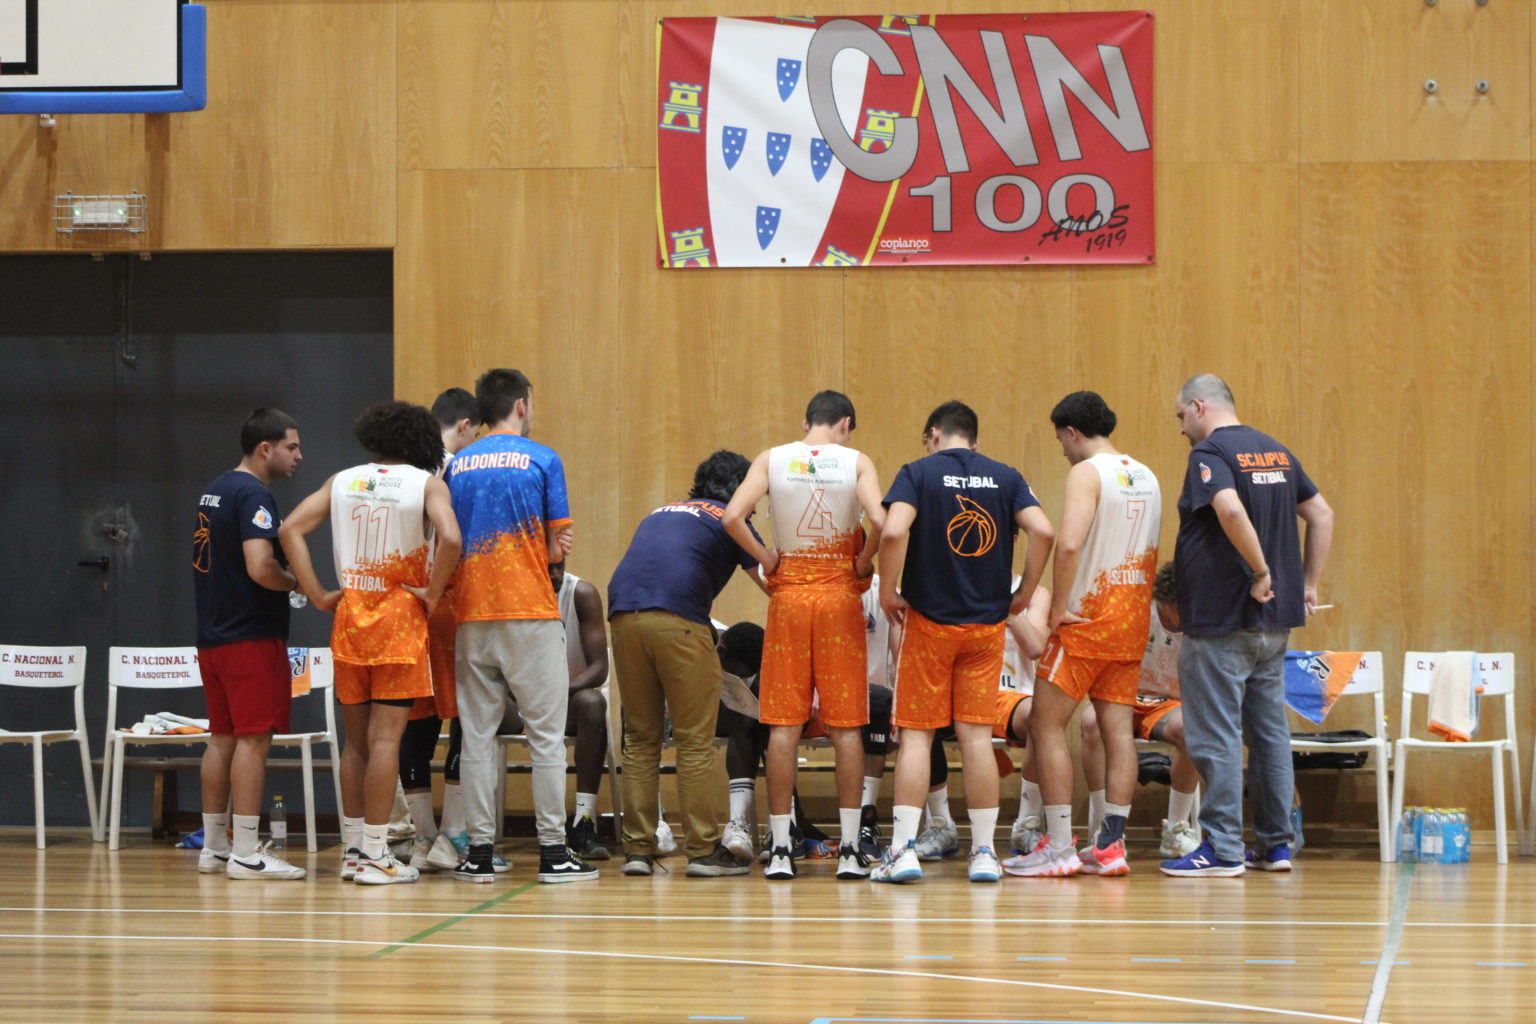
<point>679,561</point>
<point>1213,580</point>
<point>230,605</point>
<point>959,567</point>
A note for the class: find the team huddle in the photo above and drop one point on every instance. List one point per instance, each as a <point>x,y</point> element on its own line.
<point>454,603</point>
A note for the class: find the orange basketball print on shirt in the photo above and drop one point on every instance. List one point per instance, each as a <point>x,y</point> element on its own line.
<point>972,532</point>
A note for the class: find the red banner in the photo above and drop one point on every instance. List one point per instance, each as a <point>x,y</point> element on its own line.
<point>904,139</point>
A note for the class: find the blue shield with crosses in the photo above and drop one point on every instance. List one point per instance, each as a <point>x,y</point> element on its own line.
<point>821,158</point>
<point>732,142</point>
<point>778,149</point>
<point>767,225</point>
<point>788,77</point>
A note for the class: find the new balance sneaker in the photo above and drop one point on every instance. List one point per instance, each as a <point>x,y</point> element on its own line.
<point>1026,834</point>
<point>941,839</point>
<point>1201,862</point>
<point>638,864</point>
<point>448,851</point>
<point>665,842</point>
<point>1108,861</point>
<point>1179,839</point>
<point>383,870</point>
<point>715,863</point>
<point>581,837</point>
<point>737,838</point>
<point>852,862</point>
<point>263,864</point>
<point>558,864</point>
<point>1045,861</point>
<point>421,849</point>
<point>781,866</point>
<point>1276,858</point>
<point>349,863</point>
<point>898,868</point>
<point>984,866</point>
<point>476,865</point>
<point>210,862</point>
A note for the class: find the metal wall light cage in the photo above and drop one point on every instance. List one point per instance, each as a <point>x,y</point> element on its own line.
<point>124,213</point>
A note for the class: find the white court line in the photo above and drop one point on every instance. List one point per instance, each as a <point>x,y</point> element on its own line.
<point>885,972</point>
<point>769,918</point>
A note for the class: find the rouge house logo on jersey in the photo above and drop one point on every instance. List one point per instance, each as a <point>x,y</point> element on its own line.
<point>901,139</point>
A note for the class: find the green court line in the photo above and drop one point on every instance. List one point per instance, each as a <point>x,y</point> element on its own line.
<point>451,921</point>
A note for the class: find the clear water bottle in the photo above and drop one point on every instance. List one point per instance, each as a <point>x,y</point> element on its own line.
<point>1463,837</point>
<point>278,820</point>
<point>1431,850</point>
<point>1407,836</point>
<point>1298,840</point>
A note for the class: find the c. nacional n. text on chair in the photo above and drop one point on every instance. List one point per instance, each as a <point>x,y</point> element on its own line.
<point>1368,680</point>
<point>1494,676</point>
<point>321,673</point>
<point>50,668</point>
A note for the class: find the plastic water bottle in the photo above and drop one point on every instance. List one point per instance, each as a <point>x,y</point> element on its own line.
<point>1431,849</point>
<point>1407,841</point>
<point>278,819</point>
<point>1463,837</point>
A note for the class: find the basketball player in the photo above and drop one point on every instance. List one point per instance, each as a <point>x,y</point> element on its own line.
<point>242,644</point>
<point>814,639</point>
<point>379,513</point>
<point>950,526</point>
<point>1105,561</point>
<point>586,658</point>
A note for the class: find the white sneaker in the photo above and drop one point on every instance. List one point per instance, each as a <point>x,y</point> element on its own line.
<point>1026,834</point>
<point>421,849</point>
<point>941,839</point>
<point>737,838</point>
<point>665,844</point>
<point>210,862</point>
<point>385,870</point>
<point>263,865</point>
<point>984,866</point>
<point>1180,839</point>
<point>1045,861</point>
<point>898,867</point>
<point>851,862</point>
<point>441,856</point>
<point>349,863</point>
<point>781,866</point>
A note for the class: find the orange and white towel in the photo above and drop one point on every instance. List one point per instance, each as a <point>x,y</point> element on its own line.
<point>1453,700</point>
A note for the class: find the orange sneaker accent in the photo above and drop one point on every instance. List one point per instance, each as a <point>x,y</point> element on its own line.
<point>1108,862</point>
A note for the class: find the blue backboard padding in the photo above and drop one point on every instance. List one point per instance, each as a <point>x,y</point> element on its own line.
<point>193,94</point>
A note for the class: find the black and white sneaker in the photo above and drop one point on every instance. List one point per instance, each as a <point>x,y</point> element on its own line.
<point>851,862</point>
<point>869,833</point>
<point>558,864</point>
<point>477,865</point>
<point>781,866</point>
<point>581,837</point>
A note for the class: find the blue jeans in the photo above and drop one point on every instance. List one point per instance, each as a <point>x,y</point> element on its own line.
<point>1233,691</point>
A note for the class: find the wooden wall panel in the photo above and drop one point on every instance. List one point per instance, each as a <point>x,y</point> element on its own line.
<point>509,83</point>
<point>1363,67</point>
<point>82,154</point>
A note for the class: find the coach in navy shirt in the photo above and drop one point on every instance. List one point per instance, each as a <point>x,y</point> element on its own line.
<point>1245,580</point>
<point>664,658</point>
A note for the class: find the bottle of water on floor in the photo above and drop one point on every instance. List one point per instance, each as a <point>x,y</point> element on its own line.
<point>278,820</point>
<point>1407,836</point>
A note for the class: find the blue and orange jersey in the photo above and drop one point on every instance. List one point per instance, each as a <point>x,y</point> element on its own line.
<point>508,492</point>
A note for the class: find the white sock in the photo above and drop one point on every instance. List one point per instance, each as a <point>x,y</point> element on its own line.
<point>453,808</point>
<point>216,832</point>
<point>351,833</point>
<point>1058,824</point>
<point>778,829</point>
<point>1095,812</point>
<point>743,794</point>
<point>1030,804</point>
<point>401,810</point>
<point>848,818</point>
<point>586,806</point>
<point>983,827</point>
<point>375,840</point>
<point>871,795</point>
<point>904,822</point>
<point>1181,806</point>
<point>938,807</point>
<point>247,832</point>
<point>421,813</point>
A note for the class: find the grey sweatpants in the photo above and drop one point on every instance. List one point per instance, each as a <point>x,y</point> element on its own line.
<point>525,657</point>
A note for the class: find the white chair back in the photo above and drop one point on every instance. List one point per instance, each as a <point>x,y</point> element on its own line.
<point>1368,677</point>
<point>1495,672</point>
<point>54,668</point>
<point>41,666</point>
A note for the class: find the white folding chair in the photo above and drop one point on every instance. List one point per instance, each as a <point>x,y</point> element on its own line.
<point>322,677</point>
<point>140,668</point>
<point>1496,676</point>
<point>51,668</point>
<point>1368,681</point>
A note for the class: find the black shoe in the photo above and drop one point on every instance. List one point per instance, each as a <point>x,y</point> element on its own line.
<point>869,833</point>
<point>476,865</point>
<point>639,864</point>
<point>718,861</point>
<point>781,866</point>
<point>581,837</point>
<point>558,864</point>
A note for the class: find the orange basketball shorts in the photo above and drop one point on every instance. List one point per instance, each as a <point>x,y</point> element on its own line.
<point>1007,702</point>
<point>947,673</point>
<point>442,629</point>
<point>1147,714</point>
<point>814,639</point>
<point>358,684</point>
<point>1099,678</point>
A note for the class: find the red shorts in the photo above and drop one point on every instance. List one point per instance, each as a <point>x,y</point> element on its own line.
<point>1145,715</point>
<point>248,685</point>
<point>814,638</point>
<point>947,673</point>
<point>1007,701</point>
<point>442,632</point>
<point>1101,679</point>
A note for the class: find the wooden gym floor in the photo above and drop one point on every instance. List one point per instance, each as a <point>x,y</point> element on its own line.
<point>140,936</point>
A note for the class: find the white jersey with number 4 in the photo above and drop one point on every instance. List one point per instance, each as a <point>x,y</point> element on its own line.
<point>1113,585</point>
<point>813,497</point>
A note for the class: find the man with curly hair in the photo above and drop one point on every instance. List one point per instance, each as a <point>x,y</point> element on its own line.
<point>379,513</point>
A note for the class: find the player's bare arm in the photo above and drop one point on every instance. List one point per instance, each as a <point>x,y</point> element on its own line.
<point>893,556</point>
<point>594,638</point>
<point>742,504</point>
<point>1029,627</point>
<point>445,559</point>
<point>294,533</point>
<point>1076,520</point>
<point>867,488</point>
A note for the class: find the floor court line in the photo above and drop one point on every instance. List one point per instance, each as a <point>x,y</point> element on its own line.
<point>1389,945</point>
<point>720,961</point>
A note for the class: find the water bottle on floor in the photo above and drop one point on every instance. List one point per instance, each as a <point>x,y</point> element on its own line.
<point>278,820</point>
<point>1407,836</point>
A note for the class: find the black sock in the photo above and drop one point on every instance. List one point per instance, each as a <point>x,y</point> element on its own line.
<point>1112,829</point>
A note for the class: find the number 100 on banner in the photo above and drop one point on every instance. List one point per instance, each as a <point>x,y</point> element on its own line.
<point>898,139</point>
